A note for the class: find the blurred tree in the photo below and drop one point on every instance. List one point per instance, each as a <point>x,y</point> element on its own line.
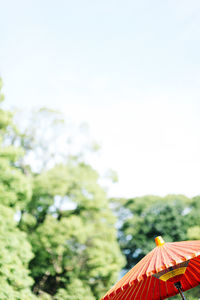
<point>174,217</point>
<point>72,231</point>
<point>15,255</point>
<point>51,200</point>
<point>150,216</point>
<point>49,139</point>
<point>75,290</point>
<point>15,192</point>
<point>68,220</point>
<point>193,232</point>
<point>62,208</point>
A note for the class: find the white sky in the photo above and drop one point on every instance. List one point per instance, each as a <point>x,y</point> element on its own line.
<point>131,69</point>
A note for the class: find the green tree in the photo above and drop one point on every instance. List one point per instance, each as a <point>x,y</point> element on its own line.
<point>193,232</point>
<point>174,217</point>
<point>15,255</point>
<point>15,192</point>
<point>72,231</point>
<point>59,208</point>
<point>150,216</point>
<point>68,220</point>
<point>48,139</point>
<point>75,290</point>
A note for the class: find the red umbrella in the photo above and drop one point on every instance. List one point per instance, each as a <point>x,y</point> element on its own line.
<point>167,270</point>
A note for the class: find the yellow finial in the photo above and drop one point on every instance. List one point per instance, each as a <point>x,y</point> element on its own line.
<point>159,241</point>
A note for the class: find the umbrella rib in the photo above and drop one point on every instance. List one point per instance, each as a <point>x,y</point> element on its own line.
<point>132,277</point>
<point>145,266</point>
<point>193,276</point>
<point>194,270</point>
<point>139,283</point>
<point>171,253</point>
<point>159,289</point>
<point>154,288</point>
<point>195,261</point>
<point>157,259</point>
<point>141,294</point>
<point>128,292</point>
<point>118,296</point>
<point>188,279</point>
<point>151,268</point>
<point>166,287</point>
<point>132,290</point>
<point>191,252</point>
<point>150,279</point>
<point>164,256</point>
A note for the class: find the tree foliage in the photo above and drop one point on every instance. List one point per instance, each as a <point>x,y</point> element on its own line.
<point>72,231</point>
<point>174,217</point>
<point>15,192</point>
<point>146,217</point>
<point>58,232</point>
<point>56,221</point>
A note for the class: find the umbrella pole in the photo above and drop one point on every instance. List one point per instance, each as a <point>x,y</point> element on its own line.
<point>178,286</point>
<point>181,293</point>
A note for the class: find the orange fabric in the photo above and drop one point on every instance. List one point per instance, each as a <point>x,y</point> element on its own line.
<point>139,284</point>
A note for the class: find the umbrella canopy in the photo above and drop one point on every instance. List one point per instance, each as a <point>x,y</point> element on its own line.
<point>164,272</point>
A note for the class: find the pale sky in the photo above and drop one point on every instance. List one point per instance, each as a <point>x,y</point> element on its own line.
<point>131,69</point>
